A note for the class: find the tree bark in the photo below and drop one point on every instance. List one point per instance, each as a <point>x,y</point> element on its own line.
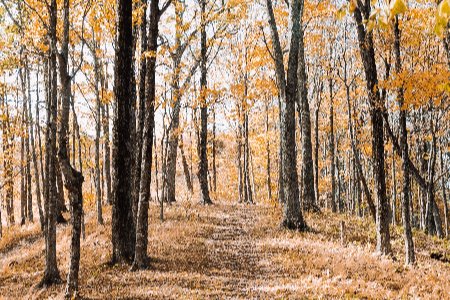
<point>309,200</point>
<point>123,227</point>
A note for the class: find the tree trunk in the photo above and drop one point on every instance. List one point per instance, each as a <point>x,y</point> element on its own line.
<point>367,52</point>
<point>239,156</point>
<point>309,200</point>
<point>8,154</point>
<point>214,146</point>
<point>203,163</point>
<point>316,148</point>
<point>394,192</point>
<point>268,170</point>
<point>33,147</point>
<point>106,143</point>
<point>51,274</point>
<point>142,98</point>
<point>332,150</point>
<point>288,91</point>
<point>98,122</point>
<point>141,257</point>
<point>123,227</point>
<point>187,174</point>
<point>73,180</point>
<point>444,196</point>
<point>23,189</point>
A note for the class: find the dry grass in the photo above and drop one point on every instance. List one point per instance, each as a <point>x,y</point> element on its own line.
<point>233,251</point>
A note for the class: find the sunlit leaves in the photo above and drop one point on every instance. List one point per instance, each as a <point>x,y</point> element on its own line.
<point>442,18</point>
<point>397,7</point>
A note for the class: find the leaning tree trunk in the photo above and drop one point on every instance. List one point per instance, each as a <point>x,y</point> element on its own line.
<point>73,180</point>
<point>33,149</point>
<point>187,174</point>
<point>367,53</point>
<point>123,228</point>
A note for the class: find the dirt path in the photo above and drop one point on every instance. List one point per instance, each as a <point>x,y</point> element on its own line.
<point>231,251</point>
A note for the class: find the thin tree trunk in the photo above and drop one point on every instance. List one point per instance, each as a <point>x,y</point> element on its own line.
<point>214,146</point>
<point>444,196</point>
<point>203,164</point>
<point>332,150</point>
<point>268,171</point>
<point>8,154</point>
<point>73,180</point>
<point>33,147</point>
<point>98,122</point>
<point>106,143</point>
<point>316,148</point>
<point>394,192</point>
<point>51,274</point>
<point>141,257</point>
<point>409,243</point>
<point>142,98</point>
<point>187,175</point>
<point>367,52</point>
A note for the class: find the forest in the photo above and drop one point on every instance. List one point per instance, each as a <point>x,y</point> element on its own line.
<point>224,149</point>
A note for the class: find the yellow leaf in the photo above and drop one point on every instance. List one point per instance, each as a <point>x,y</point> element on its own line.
<point>352,6</point>
<point>397,7</point>
<point>340,14</point>
<point>444,9</point>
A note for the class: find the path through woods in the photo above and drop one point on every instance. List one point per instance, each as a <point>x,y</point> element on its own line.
<point>232,251</point>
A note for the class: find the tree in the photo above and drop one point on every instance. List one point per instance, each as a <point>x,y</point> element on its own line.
<point>123,228</point>
<point>287,85</point>
<point>203,163</point>
<point>406,191</point>
<point>309,199</point>
<point>51,274</point>
<point>366,45</point>
<point>140,257</point>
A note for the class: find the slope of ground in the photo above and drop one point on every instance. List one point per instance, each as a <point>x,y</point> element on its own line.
<point>233,251</point>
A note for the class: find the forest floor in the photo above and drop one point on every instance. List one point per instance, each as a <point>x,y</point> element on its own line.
<point>232,251</point>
